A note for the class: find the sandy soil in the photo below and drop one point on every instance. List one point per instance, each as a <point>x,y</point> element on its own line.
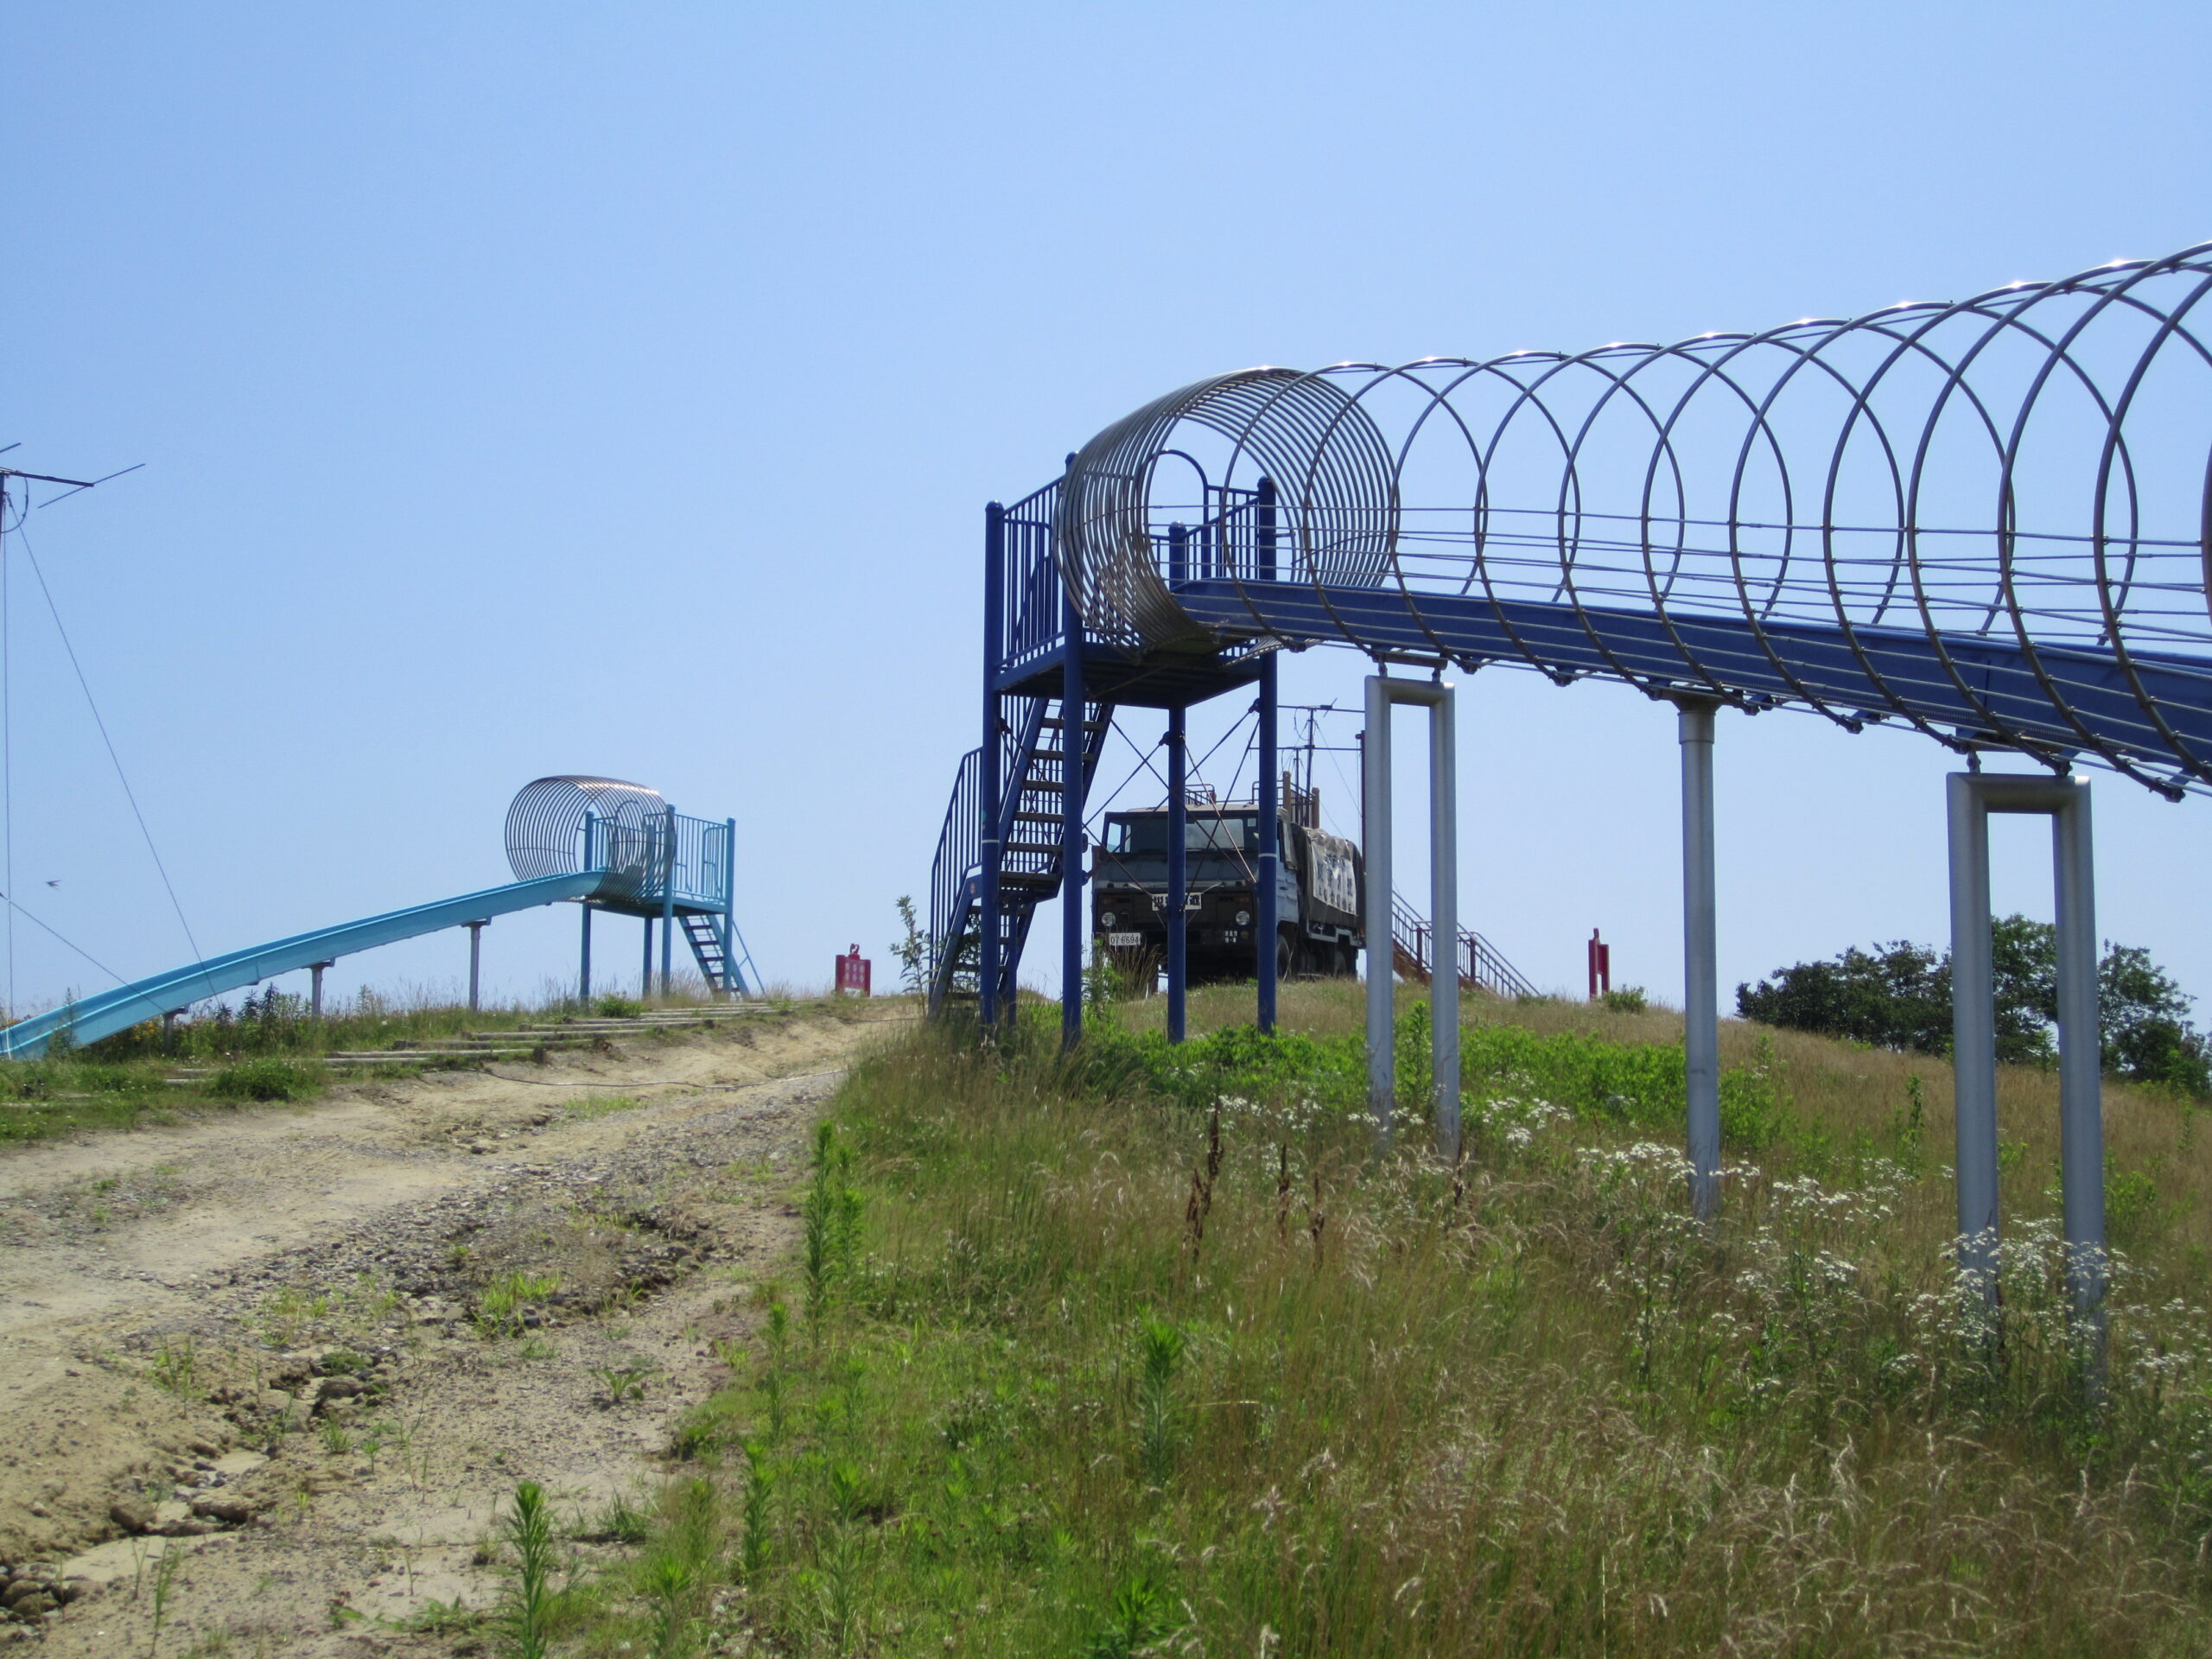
<point>312,1350</point>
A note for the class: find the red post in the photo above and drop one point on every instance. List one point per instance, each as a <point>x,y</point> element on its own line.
<point>855,974</point>
<point>1601,965</point>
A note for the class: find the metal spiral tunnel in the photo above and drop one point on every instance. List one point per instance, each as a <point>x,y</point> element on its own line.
<point>546,820</point>
<point>1989,520</point>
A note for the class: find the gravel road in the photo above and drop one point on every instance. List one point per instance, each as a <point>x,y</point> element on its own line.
<point>312,1350</point>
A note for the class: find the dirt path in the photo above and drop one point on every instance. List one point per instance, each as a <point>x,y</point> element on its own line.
<point>311,1351</point>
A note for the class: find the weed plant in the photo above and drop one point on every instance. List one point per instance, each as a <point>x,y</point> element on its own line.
<point>527,1527</point>
<point>1353,1404</point>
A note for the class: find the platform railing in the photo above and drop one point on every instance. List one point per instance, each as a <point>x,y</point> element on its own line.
<point>663,854</point>
<point>1032,623</point>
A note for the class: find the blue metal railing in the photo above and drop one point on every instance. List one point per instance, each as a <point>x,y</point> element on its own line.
<point>959,859</point>
<point>653,856</point>
<point>1031,580</point>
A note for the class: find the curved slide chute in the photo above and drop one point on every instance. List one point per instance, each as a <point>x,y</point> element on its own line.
<point>92,1017</point>
<point>606,844</point>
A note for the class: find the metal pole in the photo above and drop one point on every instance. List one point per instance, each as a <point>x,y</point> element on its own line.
<point>590,863</point>
<point>2080,1060</point>
<point>1073,933</point>
<point>1267,922</point>
<point>475,963</point>
<point>1178,878</point>
<point>732,979</point>
<point>668,903</point>
<point>1973,1034</point>
<point>1444,904</point>
<point>1701,957</point>
<point>990,786</point>
<point>1381,1059</point>
<point>646,973</point>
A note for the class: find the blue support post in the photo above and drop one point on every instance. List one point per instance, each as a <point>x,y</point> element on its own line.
<point>583,967</point>
<point>668,904</point>
<point>1178,883</point>
<point>988,791</point>
<point>646,973</point>
<point>1270,797</point>
<point>1179,877</point>
<point>733,984</point>
<point>1072,930</point>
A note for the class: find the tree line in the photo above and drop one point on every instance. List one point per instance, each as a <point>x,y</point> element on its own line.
<point>1898,995</point>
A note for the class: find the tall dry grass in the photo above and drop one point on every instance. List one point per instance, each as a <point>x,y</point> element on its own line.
<point>1116,1359</point>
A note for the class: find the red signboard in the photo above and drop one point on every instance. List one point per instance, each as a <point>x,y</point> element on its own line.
<point>853,974</point>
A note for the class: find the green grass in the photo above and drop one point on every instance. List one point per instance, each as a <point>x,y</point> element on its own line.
<point>1144,1351</point>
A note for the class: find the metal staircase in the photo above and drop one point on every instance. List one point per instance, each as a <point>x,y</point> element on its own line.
<point>1034,753</point>
<point>727,972</point>
<point>1480,962</point>
<point>1033,640</point>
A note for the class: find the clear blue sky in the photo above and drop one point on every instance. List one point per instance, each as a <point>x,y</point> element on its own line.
<point>527,389</point>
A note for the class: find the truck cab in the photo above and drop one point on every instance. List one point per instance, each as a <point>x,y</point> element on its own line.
<point>1320,887</point>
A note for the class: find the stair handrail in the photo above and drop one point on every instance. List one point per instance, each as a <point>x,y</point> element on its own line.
<point>959,862</point>
<point>1480,963</point>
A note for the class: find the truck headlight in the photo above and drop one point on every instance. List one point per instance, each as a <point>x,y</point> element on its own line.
<point>1106,918</point>
<point>1244,919</point>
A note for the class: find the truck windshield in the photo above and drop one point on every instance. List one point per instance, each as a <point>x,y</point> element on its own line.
<point>1145,834</point>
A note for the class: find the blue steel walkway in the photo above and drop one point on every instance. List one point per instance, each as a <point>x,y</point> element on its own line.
<point>1987,520</point>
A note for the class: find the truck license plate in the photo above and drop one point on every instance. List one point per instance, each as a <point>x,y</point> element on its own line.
<point>1120,941</point>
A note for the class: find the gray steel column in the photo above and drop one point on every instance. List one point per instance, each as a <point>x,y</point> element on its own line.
<point>1381,966</point>
<point>1973,1034</point>
<point>1444,918</point>
<point>315,989</point>
<point>475,963</point>
<point>1700,956</point>
<point>2081,1056</point>
<point>1435,695</point>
